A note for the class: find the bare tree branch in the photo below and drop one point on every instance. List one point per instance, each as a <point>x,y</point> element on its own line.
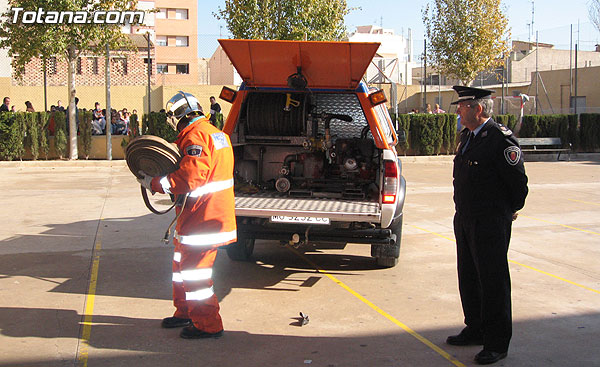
<point>594,9</point>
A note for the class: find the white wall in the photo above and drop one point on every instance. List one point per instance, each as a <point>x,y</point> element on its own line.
<point>394,50</point>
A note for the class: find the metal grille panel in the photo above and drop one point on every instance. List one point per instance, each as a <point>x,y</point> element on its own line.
<point>347,104</point>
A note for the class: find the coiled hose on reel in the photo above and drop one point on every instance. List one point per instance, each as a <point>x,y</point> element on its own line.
<point>155,157</point>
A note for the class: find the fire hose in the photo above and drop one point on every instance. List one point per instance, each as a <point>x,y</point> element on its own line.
<point>153,156</point>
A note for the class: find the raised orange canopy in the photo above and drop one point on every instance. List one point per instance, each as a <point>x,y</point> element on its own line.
<point>263,63</point>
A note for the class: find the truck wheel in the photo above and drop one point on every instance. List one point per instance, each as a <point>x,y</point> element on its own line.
<point>387,261</point>
<point>387,256</point>
<point>241,250</point>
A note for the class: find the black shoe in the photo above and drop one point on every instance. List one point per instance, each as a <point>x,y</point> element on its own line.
<point>191,332</point>
<point>173,322</point>
<point>464,339</point>
<point>489,357</point>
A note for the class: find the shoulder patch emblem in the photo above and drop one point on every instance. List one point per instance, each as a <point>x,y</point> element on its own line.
<point>220,140</point>
<point>194,150</point>
<point>506,131</point>
<point>512,155</point>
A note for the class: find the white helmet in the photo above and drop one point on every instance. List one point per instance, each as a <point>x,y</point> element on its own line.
<point>181,105</point>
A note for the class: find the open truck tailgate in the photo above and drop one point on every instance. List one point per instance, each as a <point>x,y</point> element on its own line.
<point>268,204</point>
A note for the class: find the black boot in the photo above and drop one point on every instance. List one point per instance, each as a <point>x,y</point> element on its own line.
<point>489,357</point>
<point>173,322</point>
<point>191,332</point>
<point>465,338</point>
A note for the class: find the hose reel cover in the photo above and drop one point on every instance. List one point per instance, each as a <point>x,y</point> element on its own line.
<point>152,155</point>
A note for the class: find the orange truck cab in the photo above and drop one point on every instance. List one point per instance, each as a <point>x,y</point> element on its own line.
<point>315,158</point>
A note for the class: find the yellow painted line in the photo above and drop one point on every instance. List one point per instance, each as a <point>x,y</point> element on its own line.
<point>404,327</point>
<point>434,233</point>
<point>585,202</point>
<point>89,307</point>
<point>562,225</point>
<point>555,276</point>
<point>517,263</point>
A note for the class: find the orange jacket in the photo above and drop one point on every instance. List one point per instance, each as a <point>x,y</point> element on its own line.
<point>205,174</point>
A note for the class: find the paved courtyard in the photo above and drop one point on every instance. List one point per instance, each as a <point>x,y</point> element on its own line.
<point>85,279</point>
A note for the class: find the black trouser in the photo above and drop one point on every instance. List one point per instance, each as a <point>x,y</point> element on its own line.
<point>484,278</point>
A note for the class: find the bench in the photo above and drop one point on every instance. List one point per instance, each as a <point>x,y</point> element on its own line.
<point>547,145</point>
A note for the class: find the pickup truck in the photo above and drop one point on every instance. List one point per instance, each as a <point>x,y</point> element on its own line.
<point>315,158</point>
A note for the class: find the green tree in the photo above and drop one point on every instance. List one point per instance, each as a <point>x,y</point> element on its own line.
<point>466,37</point>
<point>317,20</point>
<point>66,40</point>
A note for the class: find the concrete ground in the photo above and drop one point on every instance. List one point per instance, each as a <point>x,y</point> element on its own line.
<point>85,280</point>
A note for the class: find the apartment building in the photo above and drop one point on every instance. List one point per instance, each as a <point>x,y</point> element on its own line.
<point>173,52</point>
<point>176,39</point>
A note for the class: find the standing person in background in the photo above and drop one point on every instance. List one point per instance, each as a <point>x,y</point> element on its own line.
<point>59,106</point>
<point>118,125</point>
<point>428,108</point>
<point>98,120</point>
<point>438,109</point>
<point>490,186</point>
<point>5,105</point>
<point>214,109</point>
<point>29,107</point>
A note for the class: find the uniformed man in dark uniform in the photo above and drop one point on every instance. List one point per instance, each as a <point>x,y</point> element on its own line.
<point>490,186</point>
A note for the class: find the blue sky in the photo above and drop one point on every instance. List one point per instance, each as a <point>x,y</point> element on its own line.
<point>552,20</point>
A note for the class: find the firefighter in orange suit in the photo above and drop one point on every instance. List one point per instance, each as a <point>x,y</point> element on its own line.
<point>206,220</point>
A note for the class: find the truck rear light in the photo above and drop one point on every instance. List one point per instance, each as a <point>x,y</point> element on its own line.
<point>377,97</point>
<point>390,182</point>
<point>228,94</point>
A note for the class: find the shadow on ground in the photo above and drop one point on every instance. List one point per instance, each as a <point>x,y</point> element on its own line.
<point>535,343</point>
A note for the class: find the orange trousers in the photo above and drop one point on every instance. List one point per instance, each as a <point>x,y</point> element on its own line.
<point>193,294</point>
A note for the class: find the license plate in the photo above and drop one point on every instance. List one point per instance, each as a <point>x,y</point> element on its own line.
<point>306,220</point>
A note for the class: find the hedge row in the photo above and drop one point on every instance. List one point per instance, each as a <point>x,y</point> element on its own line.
<point>23,131</point>
<point>156,124</point>
<point>426,134</point>
<point>589,132</point>
<point>430,134</point>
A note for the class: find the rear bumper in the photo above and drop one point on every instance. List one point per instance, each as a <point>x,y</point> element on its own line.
<point>315,233</point>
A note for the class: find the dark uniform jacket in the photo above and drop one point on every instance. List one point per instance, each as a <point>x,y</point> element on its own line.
<point>489,176</point>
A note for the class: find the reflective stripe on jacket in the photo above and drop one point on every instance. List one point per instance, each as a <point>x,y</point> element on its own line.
<point>205,174</point>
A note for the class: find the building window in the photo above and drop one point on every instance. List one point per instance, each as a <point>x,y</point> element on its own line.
<point>78,65</point>
<point>124,65</point>
<point>94,62</point>
<point>162,14</point>
<point>162,68</point>
<point>181,41</point>
<point>121,63</point>
<point>161,40</point>
<point>51,65</point>
<point>181,13</point>
<point>578,103</point>
<point>146,62</point>
<point>182,68</point>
